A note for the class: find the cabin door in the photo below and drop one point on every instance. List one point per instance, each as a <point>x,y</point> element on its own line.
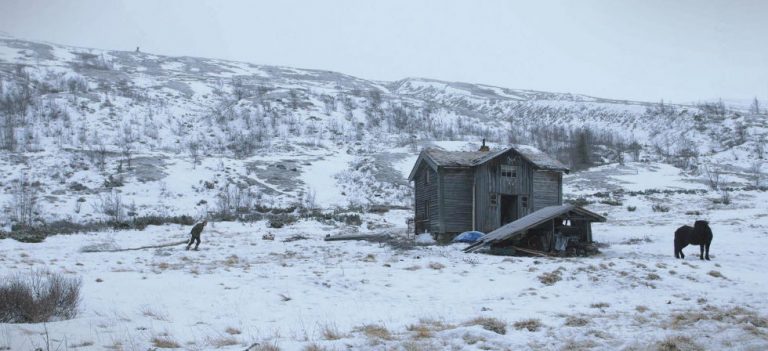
<point>508,209</point>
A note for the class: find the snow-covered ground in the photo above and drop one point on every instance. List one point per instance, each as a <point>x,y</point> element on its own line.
<point>310,294</point>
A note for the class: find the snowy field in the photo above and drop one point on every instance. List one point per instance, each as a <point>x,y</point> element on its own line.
<point>308,294</point>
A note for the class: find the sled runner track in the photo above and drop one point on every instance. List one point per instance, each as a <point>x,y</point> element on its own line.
<point>146,247</point>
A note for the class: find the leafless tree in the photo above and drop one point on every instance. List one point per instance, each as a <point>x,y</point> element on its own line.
<point>713,176</point>
<point>239,89</point>
<point>193,147</point>
<point>755,170</point>
<point>755,107</point>
<point>111,205</point>
<point>126,142</point>
<point>24,203</point>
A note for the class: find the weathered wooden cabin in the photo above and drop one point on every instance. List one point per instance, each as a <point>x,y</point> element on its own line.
<point>482,190</point>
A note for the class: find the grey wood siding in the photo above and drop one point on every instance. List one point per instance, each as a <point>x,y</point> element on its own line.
<point>489,184</point>
<point>456,199</point>
<point>546,189</point>
<point>425,197</point>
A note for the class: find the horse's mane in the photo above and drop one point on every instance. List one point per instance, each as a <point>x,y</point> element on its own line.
<point>702,227</point>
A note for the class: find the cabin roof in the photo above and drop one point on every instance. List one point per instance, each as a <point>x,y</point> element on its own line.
<point>533,220</point>
<point>442,158</point>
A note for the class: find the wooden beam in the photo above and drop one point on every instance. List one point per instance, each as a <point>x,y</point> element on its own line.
<point>531,251</point>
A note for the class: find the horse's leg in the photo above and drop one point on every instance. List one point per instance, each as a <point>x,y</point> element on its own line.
<point>707,256</point>
<point>701,250</point>
<point>677,251</point>
<point>682,255</point>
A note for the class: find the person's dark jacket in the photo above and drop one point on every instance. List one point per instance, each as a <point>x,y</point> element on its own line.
<point>197,229</point>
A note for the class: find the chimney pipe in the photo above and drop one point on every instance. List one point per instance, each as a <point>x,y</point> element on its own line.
<point>484,148</point>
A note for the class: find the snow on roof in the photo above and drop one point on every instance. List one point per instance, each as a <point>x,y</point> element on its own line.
<point>539,158</point>
<point>454,158</point>
<point>530,221</point>
<point>474,158</point>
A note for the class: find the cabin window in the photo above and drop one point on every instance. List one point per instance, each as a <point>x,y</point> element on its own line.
<point>426,176</point>
<point>524,201</point>
<point>493,200</point>
<point>508,171</point>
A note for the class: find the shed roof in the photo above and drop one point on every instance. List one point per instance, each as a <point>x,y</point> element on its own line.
<point>530,221</point>
<point>443,158</point>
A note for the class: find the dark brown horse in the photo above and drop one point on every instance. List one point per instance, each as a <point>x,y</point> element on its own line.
<point>700,234</point>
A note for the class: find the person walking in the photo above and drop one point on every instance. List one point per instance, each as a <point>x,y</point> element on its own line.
<point>195,232</point>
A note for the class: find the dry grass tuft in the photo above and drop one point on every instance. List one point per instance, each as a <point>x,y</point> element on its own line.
<point>573,321</point>
<point>155,314</point>
<point>375,331</point>
<point>678,343</point>
<point>716,274</point>
<point>331,332</point>
<point>233,331</point>
<point>224,341</point>
<point>531,325</point>
<point>600,305</point>
<point>641,308</point>
<point>652,276</point>
<point>79,344</point>
<point>489,323</point>
<point>232,260</point>
<point>422,331</point>
<point>165,342</point>
<point>313,347</point>
<point>412,268</point>
<point>550,278</point>
<point>264,347</point>
<point>436,265</point>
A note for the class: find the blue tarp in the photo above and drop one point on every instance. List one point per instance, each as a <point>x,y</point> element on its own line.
<point>468,237</point>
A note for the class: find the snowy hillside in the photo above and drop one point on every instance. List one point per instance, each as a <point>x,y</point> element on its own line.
<point>174,135</point>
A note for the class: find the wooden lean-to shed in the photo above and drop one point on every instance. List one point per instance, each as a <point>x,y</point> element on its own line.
<point>482,190</point>
<point>552,228</point>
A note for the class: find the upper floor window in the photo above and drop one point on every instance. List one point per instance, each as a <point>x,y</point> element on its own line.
<point>508,171</point>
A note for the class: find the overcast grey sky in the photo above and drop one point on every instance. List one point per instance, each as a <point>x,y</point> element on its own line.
<point>643,50</point>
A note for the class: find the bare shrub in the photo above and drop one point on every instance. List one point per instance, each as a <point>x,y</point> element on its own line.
<point>489,323</point>
<point>38,296</point>
<point>660,208</point>
<point>111,205</point>
<point>531,325</point>
<point>600,305</point>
